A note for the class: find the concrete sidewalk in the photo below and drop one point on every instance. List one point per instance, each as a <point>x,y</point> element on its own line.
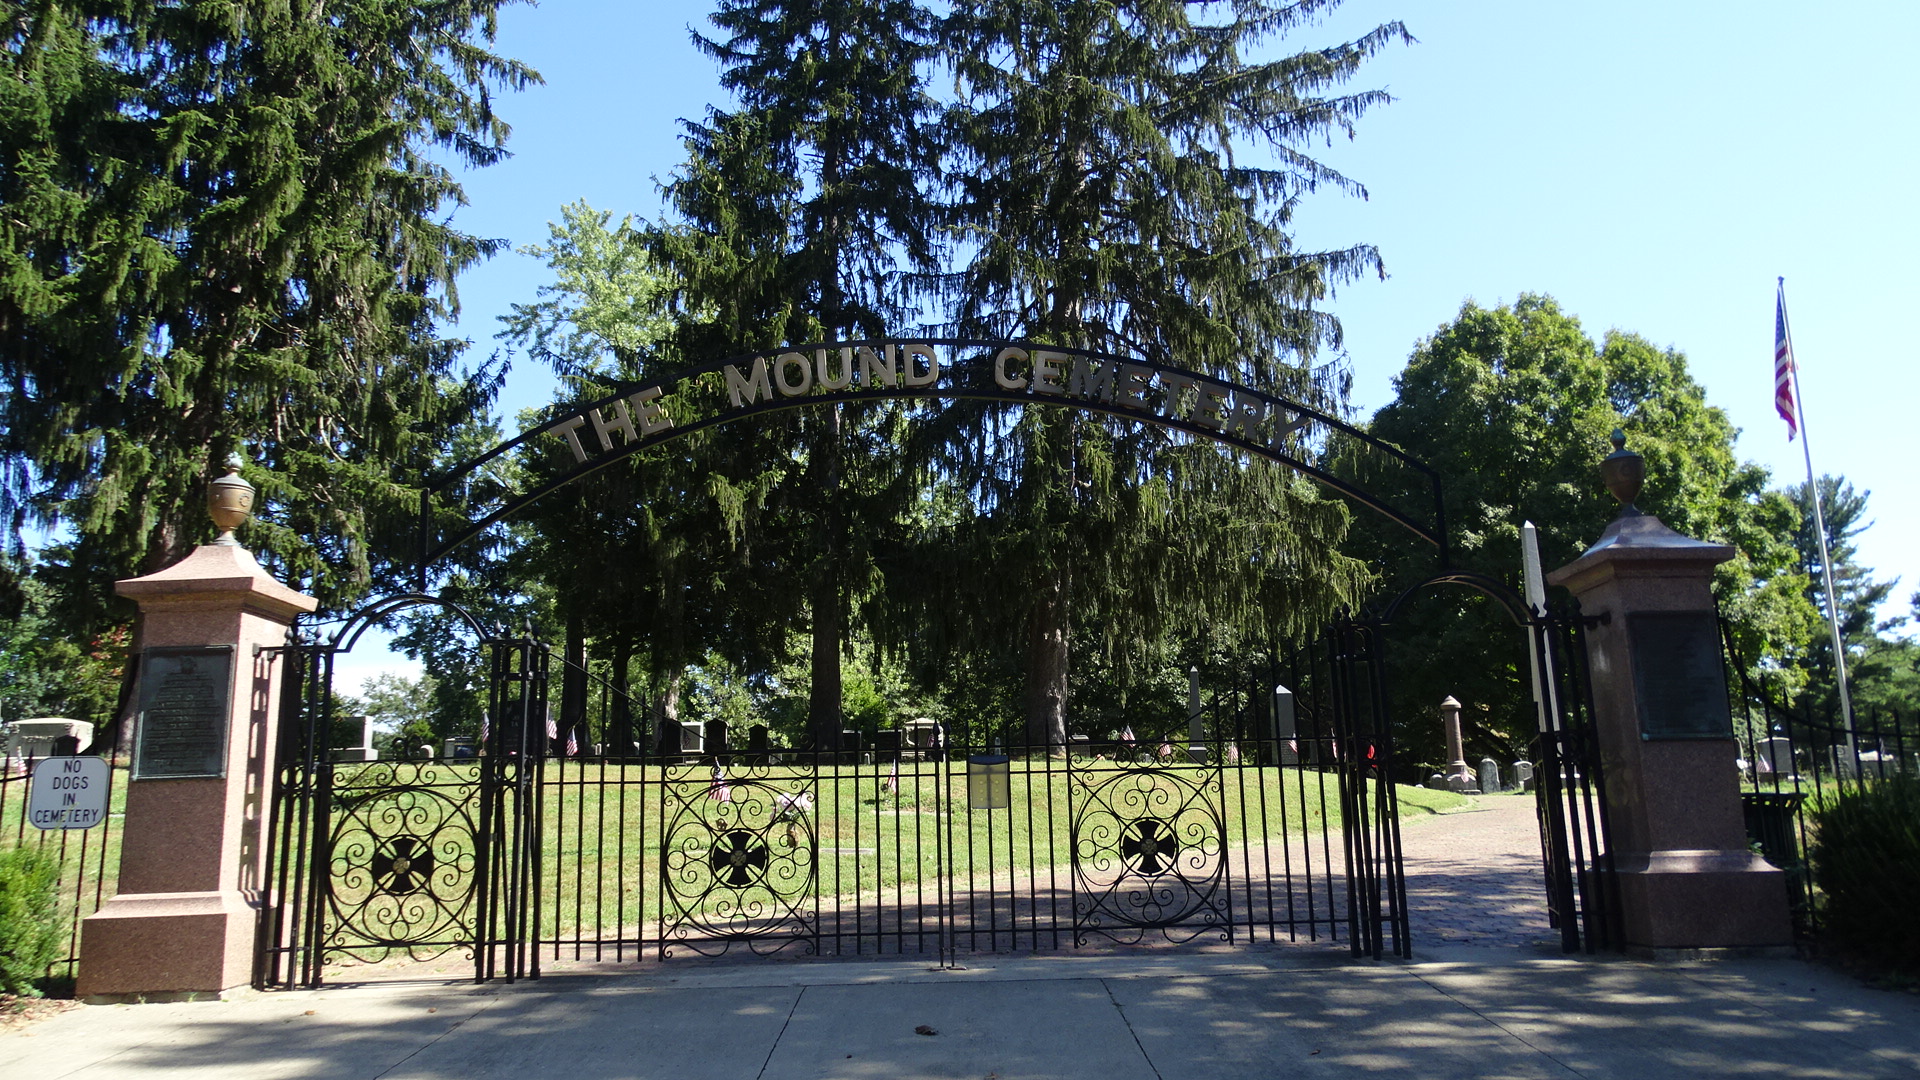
<point>1264,1012</point>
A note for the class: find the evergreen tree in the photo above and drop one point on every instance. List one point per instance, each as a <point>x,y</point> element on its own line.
<point>804,208</point>
<point>1856,595</point>
<point>225,229</point>
<point>1100,195</point>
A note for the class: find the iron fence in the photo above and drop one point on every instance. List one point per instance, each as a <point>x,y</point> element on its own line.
<point>89,859</point>
<point>1792,756</point>
<point>553,847</point>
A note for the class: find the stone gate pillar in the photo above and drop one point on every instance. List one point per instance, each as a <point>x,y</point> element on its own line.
<point>1679,843</point>
<point>192,880</point>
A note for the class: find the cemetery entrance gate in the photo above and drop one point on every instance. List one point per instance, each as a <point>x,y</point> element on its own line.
<point>1267,813</point>
<point>1268,810</point>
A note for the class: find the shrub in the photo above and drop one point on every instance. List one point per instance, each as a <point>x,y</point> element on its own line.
<point>1866,859</point>
<point>29,919</point>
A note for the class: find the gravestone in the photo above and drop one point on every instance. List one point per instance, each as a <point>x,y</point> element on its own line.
<point>1436,782</point>
<point>716,739</point>
<point>1523,774</point>
<point>35,738</point>
<point>849,747</point>
<point>758,742</point>
<point>364,751</point>
<point>1776,757</point>
<point>1285,727</point>
<point>922,739</point>
<point>1459,775</point>
<point>1490,776</point>
<point>886,745</point>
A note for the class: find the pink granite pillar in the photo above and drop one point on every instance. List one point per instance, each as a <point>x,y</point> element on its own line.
<point>192,878</point>
<point>1679,842</point>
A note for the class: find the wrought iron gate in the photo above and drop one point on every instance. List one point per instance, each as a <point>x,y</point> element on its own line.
<point>1220,826</point>
<point>411,858</point>
<point>1571,801</point>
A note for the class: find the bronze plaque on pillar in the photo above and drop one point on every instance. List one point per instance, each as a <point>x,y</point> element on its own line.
<point>184,699</point>
<point>1679,679</point>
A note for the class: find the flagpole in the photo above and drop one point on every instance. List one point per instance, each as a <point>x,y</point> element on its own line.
<point>1820,531</point>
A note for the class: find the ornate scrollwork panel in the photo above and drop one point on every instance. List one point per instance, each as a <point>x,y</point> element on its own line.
<point>1148,853</point>
<point>402,870</point>
<point>739,859</point>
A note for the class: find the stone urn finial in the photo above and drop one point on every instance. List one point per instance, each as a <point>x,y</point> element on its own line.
<point>230,501</point>
<point>1624,471</point>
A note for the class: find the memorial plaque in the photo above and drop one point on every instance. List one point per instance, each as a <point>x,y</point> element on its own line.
<point>184,697</point>
<point>1678,676</point>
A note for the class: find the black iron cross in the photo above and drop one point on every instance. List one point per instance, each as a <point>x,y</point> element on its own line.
<point>1149,845</point>
<point>403,865</point>
<point>736,857</point>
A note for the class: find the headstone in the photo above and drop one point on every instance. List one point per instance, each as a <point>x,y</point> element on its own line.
<point>1523,774</point>
<point>922,736</point>
<point>886,744</point>
<point>758,741</point>
<point>1490,776</point>
<point>849,748</point>
<point>35,738</point>
<point>1285,727</point>
<point>716,738</point>
<point>1436,782</point>
<point>690,739</point>
<point>459,746</point>
<point>1459,776</point>
<point>1776,757</point>
<point>1079,746</point>
<point>364,751</point>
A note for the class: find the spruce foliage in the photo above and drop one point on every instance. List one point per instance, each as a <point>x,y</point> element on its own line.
<point>1100,193</point>
<point>225,230</point>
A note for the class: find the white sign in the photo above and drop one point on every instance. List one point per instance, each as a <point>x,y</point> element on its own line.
<point>68,793</point>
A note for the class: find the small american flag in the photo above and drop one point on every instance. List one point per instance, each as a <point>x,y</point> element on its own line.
<point>892,784</point>
<point>718,790</point>
<point>573,742</point>
<point>1783,402</point>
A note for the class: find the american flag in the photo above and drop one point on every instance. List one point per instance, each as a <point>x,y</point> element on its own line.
<point>573,742</point>
<point>717,788</point>
<point>1783,402</point>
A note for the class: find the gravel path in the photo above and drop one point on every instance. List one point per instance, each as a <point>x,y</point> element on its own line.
<point>1474,877</point>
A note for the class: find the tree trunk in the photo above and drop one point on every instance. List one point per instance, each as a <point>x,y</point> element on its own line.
<point>666,709</point>
<point>829,609</point>
<point>1046,692</point>
<point>620,734</point>
<point>824,719</point>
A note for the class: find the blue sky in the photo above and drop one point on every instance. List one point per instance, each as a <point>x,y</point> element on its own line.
<point>1653,166</point>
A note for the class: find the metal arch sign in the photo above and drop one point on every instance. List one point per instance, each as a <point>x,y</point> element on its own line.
<point>640,416</point>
